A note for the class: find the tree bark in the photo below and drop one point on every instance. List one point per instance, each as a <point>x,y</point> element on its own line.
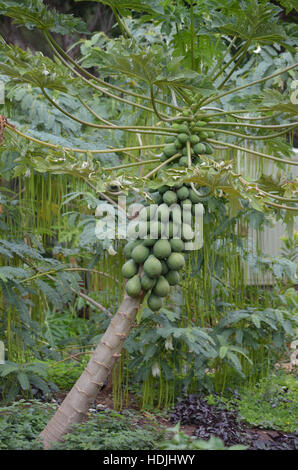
<point>76,404</point>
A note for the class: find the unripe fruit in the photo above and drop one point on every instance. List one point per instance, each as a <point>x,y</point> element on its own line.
<point>194,139</point>
<point>162,249</point>
<point>170,150</point>
<point>140,253</point>
<point>183,138</point>
<point>187,233</point>
<point>182,128</point>
<point>152,267</point>
<point>177,244</point>
<point>183,193</point>
<point>170,139</point>
<point>163,189</point>
<point>203,135</point>
<point>154,302</point>
<point>178,144</point>
<point>129,269</point>
<point>133,286</point>
<point>173,230</point>
<point>199,148</point>
<point>183,161</point>
<point>143,229</point>
<point>147,282</point>
<point>165,268</point>
<point>170,197</point>
<point>201,123</point>
<point>172,277</point>
<point>209,148</point>
<point>186,204</point>
<point>149,241</point>
<point>157,198</point>
<point>162,287</point>
<point>176,261</point>
<point>129,247</point>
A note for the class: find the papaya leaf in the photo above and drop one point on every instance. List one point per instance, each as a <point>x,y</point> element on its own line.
<point>35,69</point>
<point>124,7</point>
<point>34,14</point>
<point>288,108</point>
<point>254,21</point>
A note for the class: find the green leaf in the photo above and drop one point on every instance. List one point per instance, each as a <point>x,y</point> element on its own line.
<point>125,7</point>
<point>34,14</point>
<point>223,350</point>
<point>35,69</point>
<point>253,21</point>
<point>23,380</point>
<point>289,108</point>
<point>8,368</point>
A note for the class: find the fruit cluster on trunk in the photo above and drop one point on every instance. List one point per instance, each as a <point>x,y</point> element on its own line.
<point>155,251</point>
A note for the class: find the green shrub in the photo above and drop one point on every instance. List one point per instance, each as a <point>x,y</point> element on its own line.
<point>65,374</point>
<point>113,431</point>
<point>272,404</point>
<point>21,423</point>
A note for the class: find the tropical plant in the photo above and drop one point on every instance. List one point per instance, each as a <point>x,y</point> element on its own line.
<point>29,376</point>
<point>178,90</point>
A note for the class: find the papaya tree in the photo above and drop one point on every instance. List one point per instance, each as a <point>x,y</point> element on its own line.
<point>205,112</point>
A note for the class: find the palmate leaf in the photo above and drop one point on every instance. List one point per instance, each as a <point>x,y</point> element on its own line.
<point>273,100</point>
<point>143,66</point>
<point>188,79</point>
<point>35,69</point>
<point>34,14</point>
<point>125,7</point>
<point>254,21</point>
<point>153,67</point>
<point>288,108</point>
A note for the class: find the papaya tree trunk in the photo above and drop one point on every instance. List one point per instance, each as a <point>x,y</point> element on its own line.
<point>74,407</point>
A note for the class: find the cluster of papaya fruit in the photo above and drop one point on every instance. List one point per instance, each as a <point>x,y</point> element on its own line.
<point>156,252</point>
<point>156,256</point>
<point>192,132</point>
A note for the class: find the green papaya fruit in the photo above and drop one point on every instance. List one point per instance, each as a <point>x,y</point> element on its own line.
<point>152,267</point>
<point>177,245</point>
<point>173,277</point>
<point>176,261</point>
<point>162,249</point>
<point>133,286</point>
<point>170,197</point>
<point>162,287</point>
<point>183,193</point>
<point>129,269</point>
<point>199,148</point>
<point>194,139</point>
<point>183,137</point>
<point>140,253</point>
<point>170,150</point>
<point>147,282</point>
<point>154,302</point>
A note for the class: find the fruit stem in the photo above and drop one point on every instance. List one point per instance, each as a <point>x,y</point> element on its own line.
<point>162,164</point>
<point>254,152</point>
